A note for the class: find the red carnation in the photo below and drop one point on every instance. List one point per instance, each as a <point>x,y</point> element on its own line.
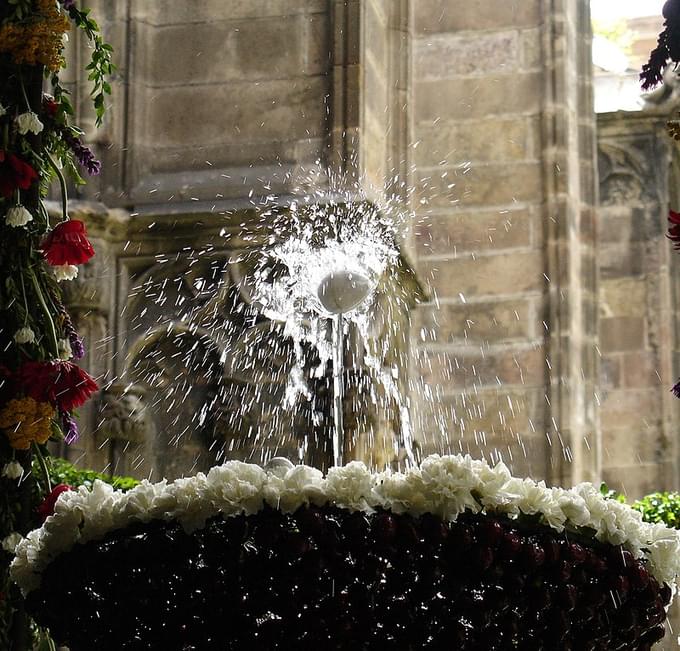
<point>46,509</point>
<point>61,383</point>
<point>68,244</point>
<point>15,174</point>
<point>50,106</point>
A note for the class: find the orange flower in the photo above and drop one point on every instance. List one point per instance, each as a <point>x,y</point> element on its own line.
<point>25,420</point>
<point>37,40</point>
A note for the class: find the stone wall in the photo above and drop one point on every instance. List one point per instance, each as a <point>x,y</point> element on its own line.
<point>638,304</point>
<point>504,150</point>
<point>212,97</point>
<point>480,114</point>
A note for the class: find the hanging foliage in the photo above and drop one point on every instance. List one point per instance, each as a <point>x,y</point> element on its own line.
<point>667,53</point>
<point>40,385</point>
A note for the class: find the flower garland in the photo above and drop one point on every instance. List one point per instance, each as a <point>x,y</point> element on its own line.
<point>446,486</point>
<point>40,385</point>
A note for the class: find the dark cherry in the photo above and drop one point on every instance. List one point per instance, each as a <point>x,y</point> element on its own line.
<point>315,579</point>
<point>491,533</point>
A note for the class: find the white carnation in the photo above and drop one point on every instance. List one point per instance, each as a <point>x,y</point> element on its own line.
<point>573,506</point>
<point>302,485</point>
<point>24,335</point>
<point>448,484</point>
<point>28,122</point>
<point>351,486</point>
<point>65,272</point>
<point>403,493</point>
<point>11,542</point>
<point>278,466</point>
<point>194,505</point>
<point>12,470</point>
<point>237,487</point>
<point>18,216</point>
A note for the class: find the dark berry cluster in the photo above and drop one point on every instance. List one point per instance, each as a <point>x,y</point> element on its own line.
<point>325,578</point>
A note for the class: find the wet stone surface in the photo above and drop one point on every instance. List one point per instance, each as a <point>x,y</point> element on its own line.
<point>325,578</point>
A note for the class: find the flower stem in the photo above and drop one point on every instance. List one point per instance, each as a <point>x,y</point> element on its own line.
<point>51,330</point>
<point>43,466</point>
<point>23,92</point>
<point>23,291</point>
<point>62,185</point>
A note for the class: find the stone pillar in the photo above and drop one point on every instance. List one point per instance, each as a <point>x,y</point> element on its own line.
<point>503,140</point>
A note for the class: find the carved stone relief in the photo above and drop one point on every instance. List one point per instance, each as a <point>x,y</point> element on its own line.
<point>626,172</point>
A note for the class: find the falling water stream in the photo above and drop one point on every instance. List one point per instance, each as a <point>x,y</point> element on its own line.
<point>321,286</point>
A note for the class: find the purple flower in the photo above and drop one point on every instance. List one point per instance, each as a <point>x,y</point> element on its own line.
<point>77,345</point>
<point>71,433</point>
<point>74,339</point>
<point>676,389</point>
<point>68,4</point>
<point>83,154</point>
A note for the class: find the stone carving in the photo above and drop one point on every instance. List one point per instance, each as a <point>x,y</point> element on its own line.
<point>123,414</point>
<point>626,175</point>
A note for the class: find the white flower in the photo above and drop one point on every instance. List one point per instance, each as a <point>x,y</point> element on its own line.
<point>28,122</point>
<point>448,483</point>
<point>65,272</point>
<point>3,110</point>
<point>194,506</point>
<point>402,493</point>
<point>351,486</point>
<point>24,336</point>
<point>236,487</point>
<point>65,351</point>
<point>573,506</point>
<point>18,216</point>
<point>12,470</point>
<point>10,543</point>
<point>446,486</point>
<point>299,485</point>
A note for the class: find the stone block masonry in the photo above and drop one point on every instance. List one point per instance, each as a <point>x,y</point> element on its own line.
<point>503,150</point>
<point>638,310</point>
<point>482,109</point>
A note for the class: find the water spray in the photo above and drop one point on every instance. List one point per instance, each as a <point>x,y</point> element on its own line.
<point>339,292</point>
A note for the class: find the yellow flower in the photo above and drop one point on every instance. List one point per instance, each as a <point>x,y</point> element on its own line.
<point>26,420</point>
<point>37,40</point>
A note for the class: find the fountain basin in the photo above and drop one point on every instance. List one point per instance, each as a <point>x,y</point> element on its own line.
<point>453,554</point>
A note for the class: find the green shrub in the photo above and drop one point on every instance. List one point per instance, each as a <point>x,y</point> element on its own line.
<point>661,508</point>
<point>63,472</point>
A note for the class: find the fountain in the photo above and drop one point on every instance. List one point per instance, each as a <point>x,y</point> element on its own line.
<point>451,553</point>
<point>321,282</point>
